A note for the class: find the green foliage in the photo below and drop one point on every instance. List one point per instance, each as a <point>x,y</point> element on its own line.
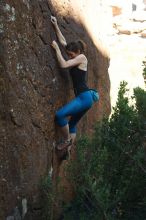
<point>48,197</point>
<point>109,172</point>
<point>144,69</point>
<point>140,96</point>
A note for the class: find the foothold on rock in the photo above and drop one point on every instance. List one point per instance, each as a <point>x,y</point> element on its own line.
<point>24,207</point>
<point>51,171</point>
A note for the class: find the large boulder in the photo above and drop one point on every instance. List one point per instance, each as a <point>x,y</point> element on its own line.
<point>32,88</point>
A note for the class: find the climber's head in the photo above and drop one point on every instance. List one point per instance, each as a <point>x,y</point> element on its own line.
<point>73,49</point>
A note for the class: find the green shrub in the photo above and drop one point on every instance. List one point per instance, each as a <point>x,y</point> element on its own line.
<point>47,197</point>
<point>109,172</point>
<point>140,96</point>
<point>144,69</point>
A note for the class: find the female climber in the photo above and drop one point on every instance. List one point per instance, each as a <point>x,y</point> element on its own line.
<point>84,97</point>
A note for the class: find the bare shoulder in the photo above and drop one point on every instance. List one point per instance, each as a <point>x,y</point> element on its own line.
<point>82,57</point>
<point>83,62</point>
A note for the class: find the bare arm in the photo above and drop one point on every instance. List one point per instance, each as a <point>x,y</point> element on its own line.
<point>60,36</point>
<point>67,63</point>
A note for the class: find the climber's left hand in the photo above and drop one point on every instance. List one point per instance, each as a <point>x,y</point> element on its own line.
<point>55,45</point>
<point>53,20</point>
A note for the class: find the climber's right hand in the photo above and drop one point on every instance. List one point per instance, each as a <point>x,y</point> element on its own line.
<point>53,20</point>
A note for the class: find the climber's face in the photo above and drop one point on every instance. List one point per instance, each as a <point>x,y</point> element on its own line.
<point>72,54</point>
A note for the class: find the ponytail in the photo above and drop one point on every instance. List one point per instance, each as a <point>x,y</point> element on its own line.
<point>82,46</point>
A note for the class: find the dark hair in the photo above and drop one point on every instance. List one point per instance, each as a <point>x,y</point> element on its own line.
<point>76,46</point>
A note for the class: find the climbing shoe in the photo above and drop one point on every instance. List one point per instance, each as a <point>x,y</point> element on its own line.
<point>64,145</point>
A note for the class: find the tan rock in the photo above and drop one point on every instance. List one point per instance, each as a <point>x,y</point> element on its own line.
<point>116,10</point>
<point>124,31</point>
<point>143,34</point>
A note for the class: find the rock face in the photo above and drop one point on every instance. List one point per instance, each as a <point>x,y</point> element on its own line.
<point>32,88</point>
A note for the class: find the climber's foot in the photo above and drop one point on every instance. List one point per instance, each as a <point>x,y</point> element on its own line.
<point>64,145</point>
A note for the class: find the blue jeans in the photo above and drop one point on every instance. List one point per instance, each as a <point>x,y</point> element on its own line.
<point>76,109</point>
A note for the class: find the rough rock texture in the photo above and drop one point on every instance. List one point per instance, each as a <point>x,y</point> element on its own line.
<point>32,87</point>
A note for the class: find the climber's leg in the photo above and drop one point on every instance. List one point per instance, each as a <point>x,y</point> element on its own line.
<point>73,137</point>
<point>61,115</point>
<point>61,120</point>
<point>74,120</point>
<point>76,109</point>
<point>65,132</point>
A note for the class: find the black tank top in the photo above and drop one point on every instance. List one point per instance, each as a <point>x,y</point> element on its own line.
<point>79,80</point>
